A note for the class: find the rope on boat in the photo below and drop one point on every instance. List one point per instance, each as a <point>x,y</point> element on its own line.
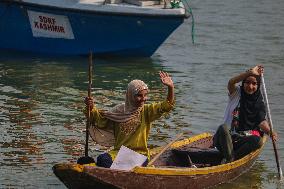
<point>189,11</point>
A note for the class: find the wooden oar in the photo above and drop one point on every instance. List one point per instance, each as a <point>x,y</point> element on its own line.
<point>164,149</point>
<point>271,128</point>
<point>86,159</point>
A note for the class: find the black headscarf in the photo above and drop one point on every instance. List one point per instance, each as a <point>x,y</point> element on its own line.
<point>252,108</point>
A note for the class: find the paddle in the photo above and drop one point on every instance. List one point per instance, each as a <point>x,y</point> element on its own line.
<point>86,159</point>
<point>271,129</point>
<point>164,149</point>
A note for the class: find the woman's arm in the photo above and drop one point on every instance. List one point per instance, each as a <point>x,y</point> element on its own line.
<point>95,115</point>
<point>155,110</point>
<point>167,80</point>
<point>257,70</point>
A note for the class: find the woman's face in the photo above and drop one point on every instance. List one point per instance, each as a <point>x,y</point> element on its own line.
<point>140,98</point>
<point>250,85</point>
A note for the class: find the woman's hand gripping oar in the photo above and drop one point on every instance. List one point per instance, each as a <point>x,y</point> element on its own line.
<point>86,159</point>
<point>271,129</point>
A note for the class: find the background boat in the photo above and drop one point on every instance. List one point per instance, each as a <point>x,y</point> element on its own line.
<point>76,27</point>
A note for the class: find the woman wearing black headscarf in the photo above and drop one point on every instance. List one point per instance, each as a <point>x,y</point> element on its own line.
<point>245,117</point>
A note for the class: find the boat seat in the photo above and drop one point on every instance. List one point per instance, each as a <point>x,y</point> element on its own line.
<point>197,156</point>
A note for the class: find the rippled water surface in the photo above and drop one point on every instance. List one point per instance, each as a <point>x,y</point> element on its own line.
<point>41,122</point>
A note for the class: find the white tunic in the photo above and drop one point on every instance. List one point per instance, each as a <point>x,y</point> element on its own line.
<point>233,101</point>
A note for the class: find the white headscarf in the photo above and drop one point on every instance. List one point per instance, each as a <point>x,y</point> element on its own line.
<point>128,110</point>
<point>126,114</point>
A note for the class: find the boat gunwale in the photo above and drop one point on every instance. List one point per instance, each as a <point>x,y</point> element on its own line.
<point>180,171</point>
<point>99,12</point>
<point>200,171</point>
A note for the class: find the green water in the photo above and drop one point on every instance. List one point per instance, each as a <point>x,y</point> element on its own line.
<point>41,98</point>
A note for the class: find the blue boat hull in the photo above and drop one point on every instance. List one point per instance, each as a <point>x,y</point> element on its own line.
<point>101,33</point>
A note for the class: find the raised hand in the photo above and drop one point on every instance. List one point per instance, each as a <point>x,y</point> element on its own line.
<point>257,70</point>
<point>166,79</point>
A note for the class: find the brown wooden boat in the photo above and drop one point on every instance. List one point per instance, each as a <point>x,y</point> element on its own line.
<point>173,169</point>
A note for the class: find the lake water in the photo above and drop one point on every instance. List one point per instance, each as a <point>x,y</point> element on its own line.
<point>41,122</point>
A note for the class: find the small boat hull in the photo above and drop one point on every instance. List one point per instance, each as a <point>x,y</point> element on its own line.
<point>51,30</point>
<point>159,176</point>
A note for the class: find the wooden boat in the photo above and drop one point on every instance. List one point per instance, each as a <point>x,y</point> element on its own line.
<point>76,27</point>
<point>167,171</point>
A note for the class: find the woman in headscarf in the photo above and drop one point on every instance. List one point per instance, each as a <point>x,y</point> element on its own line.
<point>129,124</point>
<point>245,117</point>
